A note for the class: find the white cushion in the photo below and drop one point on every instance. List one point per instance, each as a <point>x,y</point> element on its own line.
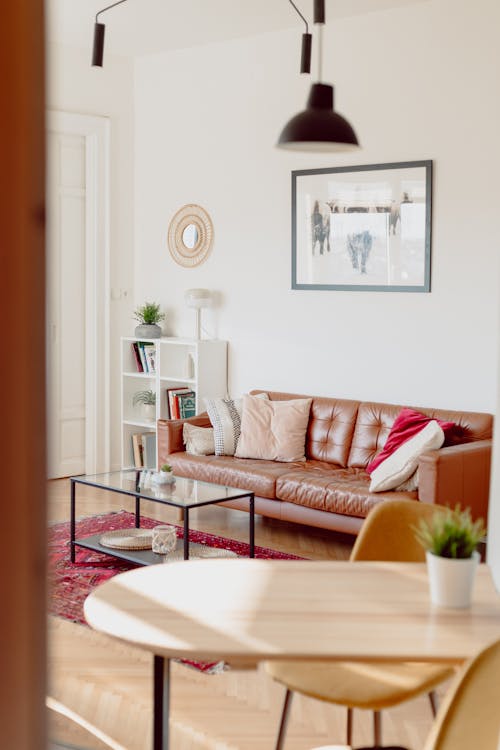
<point>401,464</point>
<point>273,430</point>
<point>199,440</point>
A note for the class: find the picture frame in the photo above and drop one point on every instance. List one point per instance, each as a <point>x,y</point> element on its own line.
<point>365,228</point>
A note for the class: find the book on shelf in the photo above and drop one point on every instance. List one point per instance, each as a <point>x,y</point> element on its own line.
<point>138,450</point>
<point>144,450</point>
<point>172,404</point>
<point>150,355</point>
<point>140,346</point>
<point>186,404</point>
<point>137,356</point>
<point>149,451</point>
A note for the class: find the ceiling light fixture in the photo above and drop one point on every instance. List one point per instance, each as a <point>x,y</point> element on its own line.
<point>318,128</point>
<point>99,29</point>
<point>305,56</point>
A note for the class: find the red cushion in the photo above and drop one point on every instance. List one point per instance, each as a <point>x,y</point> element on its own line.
<point>407,424</point>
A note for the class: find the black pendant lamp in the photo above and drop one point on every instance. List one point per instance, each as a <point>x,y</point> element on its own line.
<point>318,128</point>
<point>99,30</point>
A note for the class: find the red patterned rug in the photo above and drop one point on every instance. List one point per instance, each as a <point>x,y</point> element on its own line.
<point>71,583</point>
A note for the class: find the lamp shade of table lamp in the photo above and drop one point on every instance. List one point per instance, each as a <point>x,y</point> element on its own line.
<point>198,299</point>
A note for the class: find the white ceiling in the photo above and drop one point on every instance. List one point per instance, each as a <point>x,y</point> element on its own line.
<point>140,27</point>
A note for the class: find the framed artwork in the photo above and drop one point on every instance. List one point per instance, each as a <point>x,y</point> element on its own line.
<point>363,228</point>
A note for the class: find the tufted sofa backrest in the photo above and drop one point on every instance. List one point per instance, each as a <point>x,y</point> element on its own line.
<point>350,433</point>
<point>375,420</point>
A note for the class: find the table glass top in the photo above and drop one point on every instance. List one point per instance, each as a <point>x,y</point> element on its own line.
<point>184,493</point>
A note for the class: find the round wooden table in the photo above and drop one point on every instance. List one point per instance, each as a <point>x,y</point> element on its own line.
<point>246,611</point>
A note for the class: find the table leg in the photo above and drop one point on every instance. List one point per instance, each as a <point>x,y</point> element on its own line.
<point>137,512</point>
<point>72,522</point>
<point>186,534</point>
<point>252,525</point>
<point>161,702</point>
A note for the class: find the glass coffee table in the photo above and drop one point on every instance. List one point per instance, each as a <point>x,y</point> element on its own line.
<point>184,494</point>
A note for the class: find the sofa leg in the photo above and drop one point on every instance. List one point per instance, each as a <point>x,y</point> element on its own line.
<point>377,728</point>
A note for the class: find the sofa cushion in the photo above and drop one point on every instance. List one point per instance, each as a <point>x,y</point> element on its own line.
<point>330,429</point>
<point>344,491</point>
<point>407,424</point>
<point>273,430</point>
<point>198,440</point>
<point>225,416</point>
<point>403,462</point>
<point>374,423</point>
<point>247,473</point>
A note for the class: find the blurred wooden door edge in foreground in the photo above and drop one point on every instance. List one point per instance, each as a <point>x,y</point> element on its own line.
<point>22,378</point>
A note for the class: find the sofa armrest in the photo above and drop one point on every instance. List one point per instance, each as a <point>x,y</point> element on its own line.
<point>458,474</point>
<point>169,433</point>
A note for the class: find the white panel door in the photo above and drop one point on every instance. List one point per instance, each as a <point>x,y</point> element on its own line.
<point>66,243</point>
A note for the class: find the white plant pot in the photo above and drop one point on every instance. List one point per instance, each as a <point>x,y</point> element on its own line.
<point>451,581</point>
<point>149,412</point>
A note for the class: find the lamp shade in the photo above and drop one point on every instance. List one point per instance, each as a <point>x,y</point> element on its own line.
<point>198,298</point>
<point>318,128</point>
<point>98,48</point>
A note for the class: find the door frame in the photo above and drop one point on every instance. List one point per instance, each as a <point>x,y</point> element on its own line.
<point>96,131</point>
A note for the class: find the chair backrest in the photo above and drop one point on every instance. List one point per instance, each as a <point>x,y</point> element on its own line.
<point>469,718</point>
<point>388,531</point>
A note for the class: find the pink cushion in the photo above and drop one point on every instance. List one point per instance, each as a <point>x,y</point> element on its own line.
<point>407,424</point>
<point>273,430</point>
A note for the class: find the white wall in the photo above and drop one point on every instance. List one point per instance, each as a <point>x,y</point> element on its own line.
<point>74,86</point>
<point>417,83</point>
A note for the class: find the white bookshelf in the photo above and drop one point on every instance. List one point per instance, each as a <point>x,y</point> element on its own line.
<point>197,364</point>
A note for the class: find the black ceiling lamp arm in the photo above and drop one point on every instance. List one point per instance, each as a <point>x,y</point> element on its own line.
<point>99,29</point>
<point>305,57</point>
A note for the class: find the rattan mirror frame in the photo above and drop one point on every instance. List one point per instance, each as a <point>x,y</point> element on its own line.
<point>183,255</point>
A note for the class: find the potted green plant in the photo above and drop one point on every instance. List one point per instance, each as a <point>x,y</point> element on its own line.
<point>165,475</point>
<point>148,315</point>
<point>147,400</point>
<point>450,540</point>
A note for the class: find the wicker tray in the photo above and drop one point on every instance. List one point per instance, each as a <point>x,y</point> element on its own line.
<point>197,552</point>
<point>128,539</point>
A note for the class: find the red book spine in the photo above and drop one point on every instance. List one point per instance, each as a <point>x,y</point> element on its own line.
<point>176,407</point>
<point>138,362</point>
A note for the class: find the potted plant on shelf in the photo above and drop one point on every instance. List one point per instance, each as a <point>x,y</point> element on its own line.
<point>450,540</point>
<point>148,315</point>
<point>147,399</point>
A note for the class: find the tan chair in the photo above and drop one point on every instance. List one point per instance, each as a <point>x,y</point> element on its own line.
<point>386,535</point>
<point>469,718</point>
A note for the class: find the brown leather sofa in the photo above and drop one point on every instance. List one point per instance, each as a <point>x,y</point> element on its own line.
<point>331,489</point>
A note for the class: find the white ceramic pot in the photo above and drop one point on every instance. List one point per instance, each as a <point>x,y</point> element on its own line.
<point>167,477</point>
<point>451,581</point>
<point>149,412</point>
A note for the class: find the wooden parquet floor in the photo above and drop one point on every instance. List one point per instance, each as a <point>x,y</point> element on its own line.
<point>100,693</point>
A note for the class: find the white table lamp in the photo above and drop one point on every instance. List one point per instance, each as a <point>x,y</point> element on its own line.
<point>198,299</point>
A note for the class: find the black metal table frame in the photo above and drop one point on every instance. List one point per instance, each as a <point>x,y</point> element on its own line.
<point>161,668</point>
<point>163,501</point>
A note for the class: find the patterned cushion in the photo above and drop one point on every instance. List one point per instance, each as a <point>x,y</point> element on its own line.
<point>225,416</point>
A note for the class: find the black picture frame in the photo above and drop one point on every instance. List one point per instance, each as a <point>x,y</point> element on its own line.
<point>365,228</point>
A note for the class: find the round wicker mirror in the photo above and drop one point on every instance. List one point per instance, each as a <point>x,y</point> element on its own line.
<point>190,235</point>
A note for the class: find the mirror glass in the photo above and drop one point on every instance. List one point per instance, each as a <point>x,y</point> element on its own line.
<point>190,236</point>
